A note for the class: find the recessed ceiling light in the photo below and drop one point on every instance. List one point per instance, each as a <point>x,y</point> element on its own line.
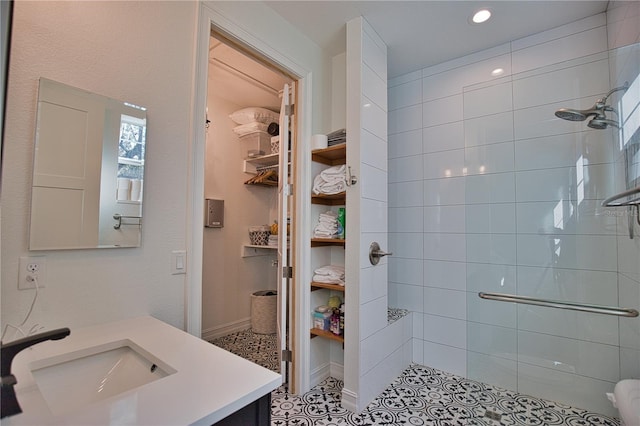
<point>481,16</point>
<point>497,72</point>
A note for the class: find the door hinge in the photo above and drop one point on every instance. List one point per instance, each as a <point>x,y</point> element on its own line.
<point>286,355</point>
<point>289,110</point>
<point>288,189</point>
<point>287,272</point>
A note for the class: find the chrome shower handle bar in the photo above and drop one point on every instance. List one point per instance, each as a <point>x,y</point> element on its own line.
<point>596,309</point>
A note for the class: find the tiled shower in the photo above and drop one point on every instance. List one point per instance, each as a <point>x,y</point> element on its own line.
<point>489,191</point>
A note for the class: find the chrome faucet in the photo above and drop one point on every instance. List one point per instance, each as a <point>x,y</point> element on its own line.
<point>9,403</point>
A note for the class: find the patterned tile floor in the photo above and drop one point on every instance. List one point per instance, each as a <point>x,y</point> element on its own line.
<point>420,396</point>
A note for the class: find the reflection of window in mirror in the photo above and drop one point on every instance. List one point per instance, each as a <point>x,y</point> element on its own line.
<point>133,133</point>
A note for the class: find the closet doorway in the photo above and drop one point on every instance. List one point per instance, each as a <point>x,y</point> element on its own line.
<point>246,285</point>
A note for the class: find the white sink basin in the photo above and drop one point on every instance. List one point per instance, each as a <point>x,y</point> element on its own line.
<point>73,380</point>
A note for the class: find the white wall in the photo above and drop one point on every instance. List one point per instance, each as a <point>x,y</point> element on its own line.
<point>120,50</point>
<point>490,192</point>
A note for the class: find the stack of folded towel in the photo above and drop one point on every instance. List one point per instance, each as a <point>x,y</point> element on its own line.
<point>330,274</point>
<point>327,226</point>
<point>331,181</point>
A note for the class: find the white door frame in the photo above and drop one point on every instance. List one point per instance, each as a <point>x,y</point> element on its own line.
<point>209,18</point>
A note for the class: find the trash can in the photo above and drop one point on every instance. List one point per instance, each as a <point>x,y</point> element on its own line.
<point>264,311</point>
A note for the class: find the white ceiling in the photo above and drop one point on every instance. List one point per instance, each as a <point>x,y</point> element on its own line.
<point>424,33</point>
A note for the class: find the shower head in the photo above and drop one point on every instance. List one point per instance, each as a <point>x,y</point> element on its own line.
<point>601,123</point>
<point>573,114</point>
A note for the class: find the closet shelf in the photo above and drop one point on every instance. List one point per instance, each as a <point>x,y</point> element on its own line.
<point>326,334</point>
<point>332,156</point>
<point>250,250</point>
<point>317,286</point>
<point>251,165</point>
<point>319,242</point>
<point>329,200</point>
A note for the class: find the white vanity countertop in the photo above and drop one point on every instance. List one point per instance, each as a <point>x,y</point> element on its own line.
<point>209,384</point>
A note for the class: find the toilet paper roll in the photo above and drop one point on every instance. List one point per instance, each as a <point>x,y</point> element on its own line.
<point>123,194</point>
<point>124,183</point>
<point>319,141</point>
<point>136,189</point>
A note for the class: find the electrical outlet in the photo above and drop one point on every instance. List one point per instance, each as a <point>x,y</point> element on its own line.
<point>32,269</point>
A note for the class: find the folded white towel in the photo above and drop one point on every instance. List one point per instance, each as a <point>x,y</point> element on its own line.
<point>330,181</point>
<point>331,274</point>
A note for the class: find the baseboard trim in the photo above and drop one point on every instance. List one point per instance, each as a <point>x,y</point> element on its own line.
<point>228,328</point>
<point>319,374</point>
<point>350,400</point>
<point>336,370</point>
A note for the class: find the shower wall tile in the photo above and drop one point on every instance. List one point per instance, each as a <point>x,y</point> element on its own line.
<point>446,331</point>
<point>374,119</point>
<point>443,246</point>
<point>490,278</point>
<point>405,169</point>
<point>570,324</point>
<point>374,88</point>
<point>444,137</point>
<point>406,219</point>
<point>493,370</point>
<point>488,100</point>
<point>491,248</point>
<point>560,32</point>
<point>559,386</point>
<point>444,219</point>
<point>564,217</point>
<point>445,274</point>
<point>491,188</point>
<point>500,342</point>
<point>417,350</point>
<point>452,65</point>
<point>588,359</point>
<point>405,144</point>
<point>406,296</point>
<point>572,46</point>
<point>405,119</point>
<point>374,314</point>
<point>628,253</point>
<point>622,23</point>
<point>539,121</point>
<point>441,111</point>
<point>629,363</point>
<point>590,147</point>
<point>444,164</point>
<point>488,129</point>
<point>490,312</point>
<point>376,279</point>
<point>451,82</point>
<point>594,252</point>
<point>445,358</point>
<point>629,327</point>
<point>374,54</point>
<point>447,191</point>
<point>406,94</point>
<point>406,194</point>
<point>406,271</point>
<point>405,78</point>
<point>374,151</point>
<point>484,159</point>
<point>445,303</point>
<point>406,245</point>
<point>556,86</point>
<point>492,218</point>
<point>374,217</point>
<point>374,183</point>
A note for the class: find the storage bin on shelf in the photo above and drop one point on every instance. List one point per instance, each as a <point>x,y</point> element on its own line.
<point>257,141</point>
<point>259,235</point>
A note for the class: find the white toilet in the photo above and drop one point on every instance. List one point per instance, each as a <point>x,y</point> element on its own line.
<point>626,398</point>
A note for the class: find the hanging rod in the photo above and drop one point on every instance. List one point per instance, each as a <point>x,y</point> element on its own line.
<point>119,218</point>
<point>597,309</point>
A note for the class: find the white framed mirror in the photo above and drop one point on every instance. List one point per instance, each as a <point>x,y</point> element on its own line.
<point>88,170</point>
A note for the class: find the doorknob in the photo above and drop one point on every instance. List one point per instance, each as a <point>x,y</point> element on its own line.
<point>375,253</point>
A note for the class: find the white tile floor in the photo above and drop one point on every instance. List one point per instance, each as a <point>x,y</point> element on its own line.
<point>420,396</point>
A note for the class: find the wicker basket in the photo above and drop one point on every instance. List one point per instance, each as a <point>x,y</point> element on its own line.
<point>259,235</point>
<point>264,312</point>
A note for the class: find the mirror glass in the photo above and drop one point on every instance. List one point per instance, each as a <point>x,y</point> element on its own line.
<point>88,170</point>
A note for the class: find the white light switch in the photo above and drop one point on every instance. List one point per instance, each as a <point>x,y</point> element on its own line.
<point>178,262</point>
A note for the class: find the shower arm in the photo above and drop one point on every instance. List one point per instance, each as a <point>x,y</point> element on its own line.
<point>624,87</point>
